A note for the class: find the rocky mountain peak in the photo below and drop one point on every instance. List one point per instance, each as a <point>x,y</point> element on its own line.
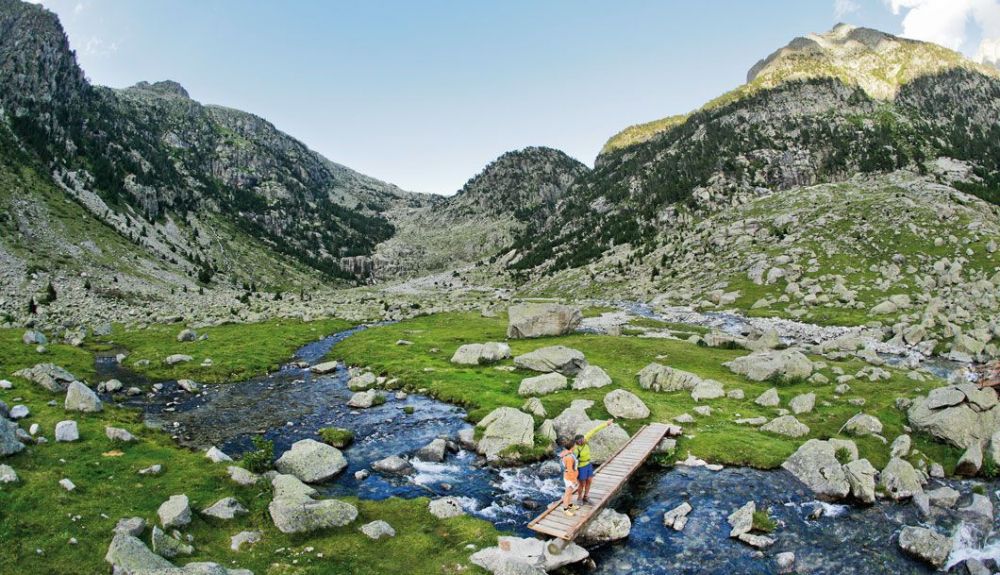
<point>162,88</point>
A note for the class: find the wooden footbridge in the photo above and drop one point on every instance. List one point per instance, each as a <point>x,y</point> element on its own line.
<point>610,477</point>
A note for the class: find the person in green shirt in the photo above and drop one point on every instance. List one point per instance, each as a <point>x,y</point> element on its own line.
<point>582,451</point>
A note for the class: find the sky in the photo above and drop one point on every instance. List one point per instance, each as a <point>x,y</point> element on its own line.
<point>425,93</point>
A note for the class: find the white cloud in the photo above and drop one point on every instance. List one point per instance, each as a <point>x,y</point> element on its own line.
<point>989,52</point>
<point>842,8</point>
<point>947,22</point>
<point>96,46</point>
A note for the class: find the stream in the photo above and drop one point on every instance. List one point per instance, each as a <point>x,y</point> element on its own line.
<point>293,403</point>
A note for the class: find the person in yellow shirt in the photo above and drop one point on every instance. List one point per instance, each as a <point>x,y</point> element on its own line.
<point>582,451</point>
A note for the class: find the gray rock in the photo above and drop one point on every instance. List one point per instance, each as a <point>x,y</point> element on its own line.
<point>130,556</point>
<point>154,469</point>
<point>79,397</point>
<point>118,434</point>
<point>925,544</point>
<point>481,353</point>
<point>534,406</point>
<point>49,376</point>
<point>971,460</point>
<point>943,496</point>
<point>67,484</point>
<point>741,520</point>
<point>786,425</point>
<point>802,403</point>
<point>133,526</point>
<point>548,430</point>
<point>393,465</point>
<point>226,508</point>
<point>815,464</point>
<point>861,477</point>
<point>293,510</point>
<point>67,431</point>
<point>34,337</point>
<point>542,384</point>
<point>901,446</point>
<point>188,385</point>
<point>626,405</point>
<point>236,542</point>
<point>575,421</point>
<point>764,365</point>
<point>785,562</point>
<point>187,335</point>
<point>322,369</point>
<point>591,377</point>
<point>960,425</point>
<point>707,389</point>
<point>9,443</point>
<point>659,377</point>
<point>167,546</point>
<point>433,451</point>
<point>554,358</point>
<point>311,461</point>
<point>756,541</point>
<point>445,507</point>
<point>362,382</point>
<point>177,358</point>
<point>899,479</point>
<point>526,552</point>
<point>216,455</point>
<point>378,529</point>
<point>609,525</point>
<point>863,424</point>
<point>7,474</point>
<point>541,319</point>
<point>676,518</point>
<point>768,399</point>
<point>364,399</point>
<point>979,511</point>
<point>175,512</point>
<point>505,427</point>
<point>19,412</point>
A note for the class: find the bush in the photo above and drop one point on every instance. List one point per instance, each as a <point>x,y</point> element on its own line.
<point>989,469</point>
<point>261,458</point>
<point>843,455</point>
<point>762,521</point>
<point>336,436</point>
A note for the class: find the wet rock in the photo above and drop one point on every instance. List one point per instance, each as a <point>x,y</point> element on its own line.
<point>707,389</point>
<point>925,544</point>
<point>741,520</point>
<point>167,546</point>
<point>626,405</point>
<point>591,377</point>
<point>541,319</point>
<point>555,358</point>
<point>943,496</point>
<point>175,512</point>
<point>511,552</point>
<point>785,562</point>
<point>433,451</point>
<point>676,518</point>
<point>815,464</point>
<point>863,424</point>
<point>378,529</point>
<point>67,431</point>
<point>225,509</point>
<point>215,455</point>
<point>325,367</point>
<point>362,381</point>
<point>979,511</point>
<point>393,465</point>
<point>364,399</point>
<point>9,443</point>
<point>900,480</point>
<point>608,526</point>
<point>764,365</point>
<point>445,507</point>
<point>79,397</point>
<point>505,427</point>
<point>802,403</point>
<point>768,399</point>
<point>49,376</point>
<point>293,509</point>
<point>659,377</point>
<point>861,477</point>
<point>236,542</point>
<point>242,476</point>
<point>188,385</point>
<point>311,461</point>
<point>756,541</point>
<point>542,384</point>
<point>481,353</point>
<point>786,425</point>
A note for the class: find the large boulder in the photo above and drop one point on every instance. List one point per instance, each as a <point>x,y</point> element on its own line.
<point>764,365</point>
<point>294,510</point>
<point>960,414</point>
<point>659,377</point>
<point>9,443</point>
<point>786,425</point>
<point>445,507</point>
<point>226,508</point>
<point>364,399</point>
<point>311,461</point>
<point>541,319</point>
<point>863,424</point>
<point>925,544</point>
<point>625,404</point>
<point>175,511</point>
<point>530,552</point>
<point>79,397</point>
<point>899,480</point>
<point>505,427</point>
<point>393,465</point>
<point>542,384</point>
<point>590,377</point>
<point>816,464</point>
<point>575,421</point>
<point>861,477</point>
<point>707,389</point>
<point>608,526</point>
<point>556,358</point>
<point>481,353</point>
<point>130,556</point>
<point>49,376</point>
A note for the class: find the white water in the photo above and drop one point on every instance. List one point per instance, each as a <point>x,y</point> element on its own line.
<point>966,545</point>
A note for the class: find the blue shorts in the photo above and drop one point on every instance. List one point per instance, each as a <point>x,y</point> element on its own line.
<point>586,472</point>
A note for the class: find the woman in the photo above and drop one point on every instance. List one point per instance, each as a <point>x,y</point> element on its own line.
<point>582,451</point>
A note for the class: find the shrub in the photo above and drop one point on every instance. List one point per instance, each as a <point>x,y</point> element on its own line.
<point>989,469</point>
<point>336,436</point>
<point>262,457</point>
<point>843,455</point>
<point>762,521</point>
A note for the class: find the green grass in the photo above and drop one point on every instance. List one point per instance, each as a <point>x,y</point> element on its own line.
<point>237,351</point>
<point>37,514</point>
<point>337,437</point>
<point>763,522</point>
<point>717,438</point>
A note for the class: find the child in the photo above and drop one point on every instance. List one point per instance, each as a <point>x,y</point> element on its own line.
<point>570,474</point>
<point>582,451</point>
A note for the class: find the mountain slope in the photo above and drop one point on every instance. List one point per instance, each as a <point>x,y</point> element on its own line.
<point>801,131</point>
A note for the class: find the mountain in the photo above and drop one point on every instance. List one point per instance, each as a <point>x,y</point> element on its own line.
<point>518,189</point>
<point>822,109</point>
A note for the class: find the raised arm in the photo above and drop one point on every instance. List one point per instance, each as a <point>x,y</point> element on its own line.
<point>593,432</point>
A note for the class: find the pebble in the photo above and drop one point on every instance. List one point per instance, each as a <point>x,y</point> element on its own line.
<point>67,484</point>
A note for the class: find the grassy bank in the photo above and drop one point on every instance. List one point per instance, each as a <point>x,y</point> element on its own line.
<point>237,351</point>
<point>38,517</point>
<point>425,364</point>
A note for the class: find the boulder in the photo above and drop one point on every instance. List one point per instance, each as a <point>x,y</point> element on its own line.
<point>925,544</point>
<point>188,385</point>
<point>225,508</point>
<point>445,507</point>
<point>9,442</point>
<point>311,461</point>
<point>167,546</point>
<point>393,465</point>
<point>34,337</point>
<point>861,478</point>
<point>816,465</point>
<point>67,431</point>
<point>741,520</point>
<point>377,530</point>
<point>236,542</point>
<point>175,512</point>
<point>786,425</point>
<point>19,412</point>
<point>542,384</point>
<point>130,556</point>
<point>608,526</point>
<point>362,382</point>
<point>364,399</point>
<point>541,319</point>
<point>787,364</point>
<point>7,474</point>
<point>768,399</point>
<point>49,376</point>
<point>177,358</point>
<point>557,358</point>
<point>133,526</point>
<point>901,446</point>
<point>216,455</point>
<point>863,424</point>
<point>481,353</point>
<point>325,367</point>
<point>505,427</point>
<point>534,406</point>
<point>118,434</point>
<point>802,403</point>
<point>943,496</point>
<point>624,404</point>
<point>575,421</point>
<point>899,480</point>
<point>659,377</point>
<point>590,377</point>
<point>548,430</point>
<point>187,335</point>
<point>676,518</point>
<point>242,476</point>
<point>433,451</point>
<point>525,552</point>
<point>707,389</point>
<point>971,460</point>
<point>294,510</point>
<point>979,511</point>
<point>960,424</point>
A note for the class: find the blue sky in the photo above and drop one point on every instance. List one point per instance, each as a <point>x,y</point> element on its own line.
<point>425,93</point>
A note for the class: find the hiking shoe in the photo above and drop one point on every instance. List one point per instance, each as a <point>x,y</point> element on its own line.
<point>586,500</point>
<point>574,507</point>
<point>568,512</point>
